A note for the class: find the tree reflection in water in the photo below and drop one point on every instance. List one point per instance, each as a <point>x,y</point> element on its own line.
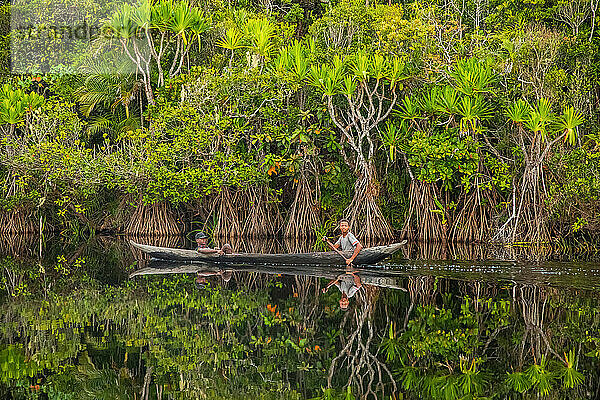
<point>67,330</point>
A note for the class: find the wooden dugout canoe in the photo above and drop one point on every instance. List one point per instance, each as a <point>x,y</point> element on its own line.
<point>369,255</point>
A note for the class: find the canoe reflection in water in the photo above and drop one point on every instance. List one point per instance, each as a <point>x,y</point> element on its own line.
<point>349,279</point>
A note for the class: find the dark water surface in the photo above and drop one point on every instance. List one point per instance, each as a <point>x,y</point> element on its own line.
<point>97,320</point>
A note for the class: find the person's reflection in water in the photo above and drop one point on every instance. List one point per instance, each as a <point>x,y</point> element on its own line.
<point>201,277</point>
<point>348,283</point>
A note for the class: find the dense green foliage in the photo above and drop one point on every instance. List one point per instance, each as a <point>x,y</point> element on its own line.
<point>442,121</point>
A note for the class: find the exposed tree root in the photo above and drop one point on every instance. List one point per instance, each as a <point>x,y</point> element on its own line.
<point>153,220</point>
<point>307,288</point>
<point>422,223</point>
<point>244,213</point>
<point>225,214</point>
<point>18,245</point>
<point>422,290</point>
<point>304,212</point>
<point>261,219</point>
<point>529,218</point>
<point>17,221</point>
<point>474,221</point>
<point>531,300</point>
<point>366,219</point>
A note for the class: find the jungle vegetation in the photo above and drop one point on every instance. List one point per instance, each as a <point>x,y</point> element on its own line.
<point>432,120</point>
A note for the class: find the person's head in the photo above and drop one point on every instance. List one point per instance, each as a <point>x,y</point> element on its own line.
<point>226,275</point>
<point>344,302</point>
<point>201,238</point>
<point>200,282</point>
<point>344,225</point>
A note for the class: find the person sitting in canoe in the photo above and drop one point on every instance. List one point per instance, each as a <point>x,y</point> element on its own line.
<point>348,283</point>
<point>346,242</point>
<point>202,242</point>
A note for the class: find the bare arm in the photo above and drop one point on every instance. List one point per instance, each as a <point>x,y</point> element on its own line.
<point>357,281</point>
<point>357,250</point>
<point>333,282</point>
<point>208,250</point>
<point>333,246</point>
<point>206,273</point>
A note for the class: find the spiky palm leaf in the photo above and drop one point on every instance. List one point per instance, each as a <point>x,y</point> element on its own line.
<point>231,39</point>
<point>570,376</point>
<point>518,111</point>
<point>472,76</point>
<point>473,110</point>
<point>518,381</point>
<point>121,24</point>
<point>261,32</point>
<point>539,118</point>
<point>161,14</point>
<point>448,101</point>
<point>409,109</point>
<point>568,123</point>
<point>182,20</point>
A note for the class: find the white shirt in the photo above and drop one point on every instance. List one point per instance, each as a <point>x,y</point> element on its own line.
<point>348,242</point>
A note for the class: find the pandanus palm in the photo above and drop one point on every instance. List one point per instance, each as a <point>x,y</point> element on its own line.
<point>464,97</point>
<point>471,76</point>
<point>537,131</point>
<point>15,104</point>
<point>181,20</point>
<point>409,110</point>
<point>121,24</point>
<point>448,102</point>
<point>260,32</point>
<point>391,138</point>
<point>368,86</point>
<point>232,41</point>
<point>473,110</point>
<point>159,24</point>
<point>570,376</point>
<point>200,23</point>
<point>360,92</point>
<point>568,122</point>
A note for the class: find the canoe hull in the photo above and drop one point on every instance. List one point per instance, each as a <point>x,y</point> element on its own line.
<point>369,255</point>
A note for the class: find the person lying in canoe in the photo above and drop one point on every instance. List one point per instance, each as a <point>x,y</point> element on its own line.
<point>348,283</point>
<point>201,280</point>
<point>346,242</point>
<point>202,242</point>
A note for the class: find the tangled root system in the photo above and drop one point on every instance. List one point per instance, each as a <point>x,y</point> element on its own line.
<point>304,212</point>
<point>245,212</point>
<point>17,221</point>
<point>153,220</point>
<point>365,216</point>
<point>422,223</point>
<point>474,221</point>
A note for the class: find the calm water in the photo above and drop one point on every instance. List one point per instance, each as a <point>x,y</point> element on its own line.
<point>97,320</point>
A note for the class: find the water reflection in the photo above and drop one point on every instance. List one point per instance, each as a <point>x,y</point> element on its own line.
<point>94,322</point>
